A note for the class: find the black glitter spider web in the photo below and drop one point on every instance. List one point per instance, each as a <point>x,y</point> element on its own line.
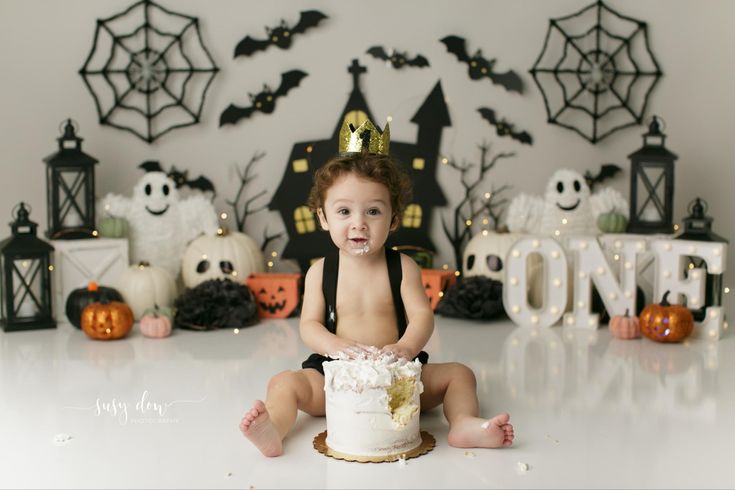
<point>596,71</point>
<point>148,70</point>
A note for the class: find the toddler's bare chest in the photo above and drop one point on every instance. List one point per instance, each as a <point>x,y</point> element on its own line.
<point>369,294</point>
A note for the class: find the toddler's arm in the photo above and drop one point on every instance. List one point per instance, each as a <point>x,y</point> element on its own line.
<point>311,327</point>
<point>418,312</point>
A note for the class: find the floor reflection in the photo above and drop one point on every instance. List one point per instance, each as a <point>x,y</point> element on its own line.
<point>574,368</point>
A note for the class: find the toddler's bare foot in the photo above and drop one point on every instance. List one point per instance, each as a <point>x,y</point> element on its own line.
<point>258,427</point>
<point>477,432</point>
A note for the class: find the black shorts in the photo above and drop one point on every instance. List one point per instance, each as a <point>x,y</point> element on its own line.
<point>315,361</point>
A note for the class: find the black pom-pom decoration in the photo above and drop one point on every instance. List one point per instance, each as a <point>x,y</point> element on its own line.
<point>216,303</point>
<point>476,298</point>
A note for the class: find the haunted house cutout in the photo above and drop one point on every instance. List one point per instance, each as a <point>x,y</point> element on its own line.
<point>307,241</point>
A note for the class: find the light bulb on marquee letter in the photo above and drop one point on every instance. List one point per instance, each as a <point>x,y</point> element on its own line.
<point>590,265</point>
<point>515,286</point>
<point>669,257</point>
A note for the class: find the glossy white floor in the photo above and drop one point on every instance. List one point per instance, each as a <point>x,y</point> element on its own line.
<point>589,411</point>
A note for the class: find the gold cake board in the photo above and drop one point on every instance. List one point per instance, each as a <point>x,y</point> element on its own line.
<point>427,444</point>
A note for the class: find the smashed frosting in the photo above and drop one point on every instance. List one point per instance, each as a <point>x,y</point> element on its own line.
<point>373,404</point>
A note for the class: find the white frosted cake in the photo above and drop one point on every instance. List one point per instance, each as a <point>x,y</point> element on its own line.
<point>372,405</point>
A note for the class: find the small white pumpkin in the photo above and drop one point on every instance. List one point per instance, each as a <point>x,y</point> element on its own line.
<point>228,254</point>
<point>143,286</point>
<point>485,255</point>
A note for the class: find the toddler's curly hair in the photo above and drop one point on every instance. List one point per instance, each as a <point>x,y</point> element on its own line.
<point>377,168</point>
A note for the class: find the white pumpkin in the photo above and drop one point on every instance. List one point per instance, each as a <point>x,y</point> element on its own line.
<point>485,255</point>
<point>229,254</point>
<point>144,286</point>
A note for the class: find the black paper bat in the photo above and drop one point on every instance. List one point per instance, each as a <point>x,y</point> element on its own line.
<point>398,59</point>
<point>182,178</point>
<point>151,166</point>
<point>265,101</point>
<point>607,171</point>
<point>479,67</point>
<point>503,127</point>
<point>281,35</point>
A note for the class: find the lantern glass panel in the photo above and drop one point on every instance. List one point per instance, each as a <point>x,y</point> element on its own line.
<point>648,177</point>
<point>73,210</point>
<point>651,193</point>
<point>27,289</point>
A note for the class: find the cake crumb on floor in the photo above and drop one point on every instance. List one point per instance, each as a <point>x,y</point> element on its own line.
<point>62,439</point>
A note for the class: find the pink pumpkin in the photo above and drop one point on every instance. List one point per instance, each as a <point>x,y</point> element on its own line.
<point>625,327</point>
<point>156,322</point>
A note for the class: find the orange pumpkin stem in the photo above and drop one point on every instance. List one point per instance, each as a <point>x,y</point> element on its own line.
<point>92,286</point>
<point>627,313</point>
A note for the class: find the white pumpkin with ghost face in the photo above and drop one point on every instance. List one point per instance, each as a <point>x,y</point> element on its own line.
<point>228,255</point>
<point>161,224</point>
<point>484,255</point>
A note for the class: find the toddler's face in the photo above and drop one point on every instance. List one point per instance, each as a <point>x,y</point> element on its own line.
<point>357,213</point>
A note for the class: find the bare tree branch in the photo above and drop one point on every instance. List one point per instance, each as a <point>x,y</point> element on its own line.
<point>245,175</point>
<point>467,210</point>
<point>269,238</point>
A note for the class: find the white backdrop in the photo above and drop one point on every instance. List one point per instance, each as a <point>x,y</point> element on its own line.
<point>44,43</point>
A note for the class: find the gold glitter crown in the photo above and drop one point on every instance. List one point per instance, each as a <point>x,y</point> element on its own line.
<point>366,138</point>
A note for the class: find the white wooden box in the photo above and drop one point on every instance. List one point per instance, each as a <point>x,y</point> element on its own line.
<point>76,262</point>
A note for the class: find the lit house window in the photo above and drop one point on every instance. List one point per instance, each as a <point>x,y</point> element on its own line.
<point>304,220</point>
<point>418,163</point>
<point>412,216</point>
<point>300,165</point>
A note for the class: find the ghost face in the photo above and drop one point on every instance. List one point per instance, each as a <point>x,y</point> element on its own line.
<point>567,190</point>
<point>156,193</point>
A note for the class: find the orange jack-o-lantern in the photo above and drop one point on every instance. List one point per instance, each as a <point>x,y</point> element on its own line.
<point>276,294</point>
<point>436,282</point>
<point>107,320</point>
<point>665,322</point>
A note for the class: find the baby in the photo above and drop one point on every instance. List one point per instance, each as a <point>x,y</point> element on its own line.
<point>362,296</point>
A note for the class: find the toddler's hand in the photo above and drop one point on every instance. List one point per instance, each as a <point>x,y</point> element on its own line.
<point>399,351</point>
<point>347,349</point>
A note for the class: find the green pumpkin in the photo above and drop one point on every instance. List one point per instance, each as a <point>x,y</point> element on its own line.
<point>111,227</point>
<point>156,310</point>
<point>612,222</point>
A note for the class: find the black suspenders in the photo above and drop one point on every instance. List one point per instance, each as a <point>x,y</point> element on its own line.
<point>329,288</point>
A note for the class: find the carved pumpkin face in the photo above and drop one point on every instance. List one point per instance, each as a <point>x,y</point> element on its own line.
<point>107,321</point>
<point>79,298</point>
<point>231,255</point>
<point>436,282</point>
<point>277,295</point>
<point>485,255</point>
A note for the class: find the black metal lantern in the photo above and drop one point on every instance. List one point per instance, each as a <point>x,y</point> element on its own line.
<point>70,188</point>
<point>698,226</point>
<point>652,184</point>
<point>26,277</point>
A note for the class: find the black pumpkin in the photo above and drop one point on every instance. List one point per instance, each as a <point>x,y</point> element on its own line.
<point>79,298</point>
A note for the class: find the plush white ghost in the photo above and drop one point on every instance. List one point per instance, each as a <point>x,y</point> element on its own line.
<point>567,207</point>
<point>160,224</point>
